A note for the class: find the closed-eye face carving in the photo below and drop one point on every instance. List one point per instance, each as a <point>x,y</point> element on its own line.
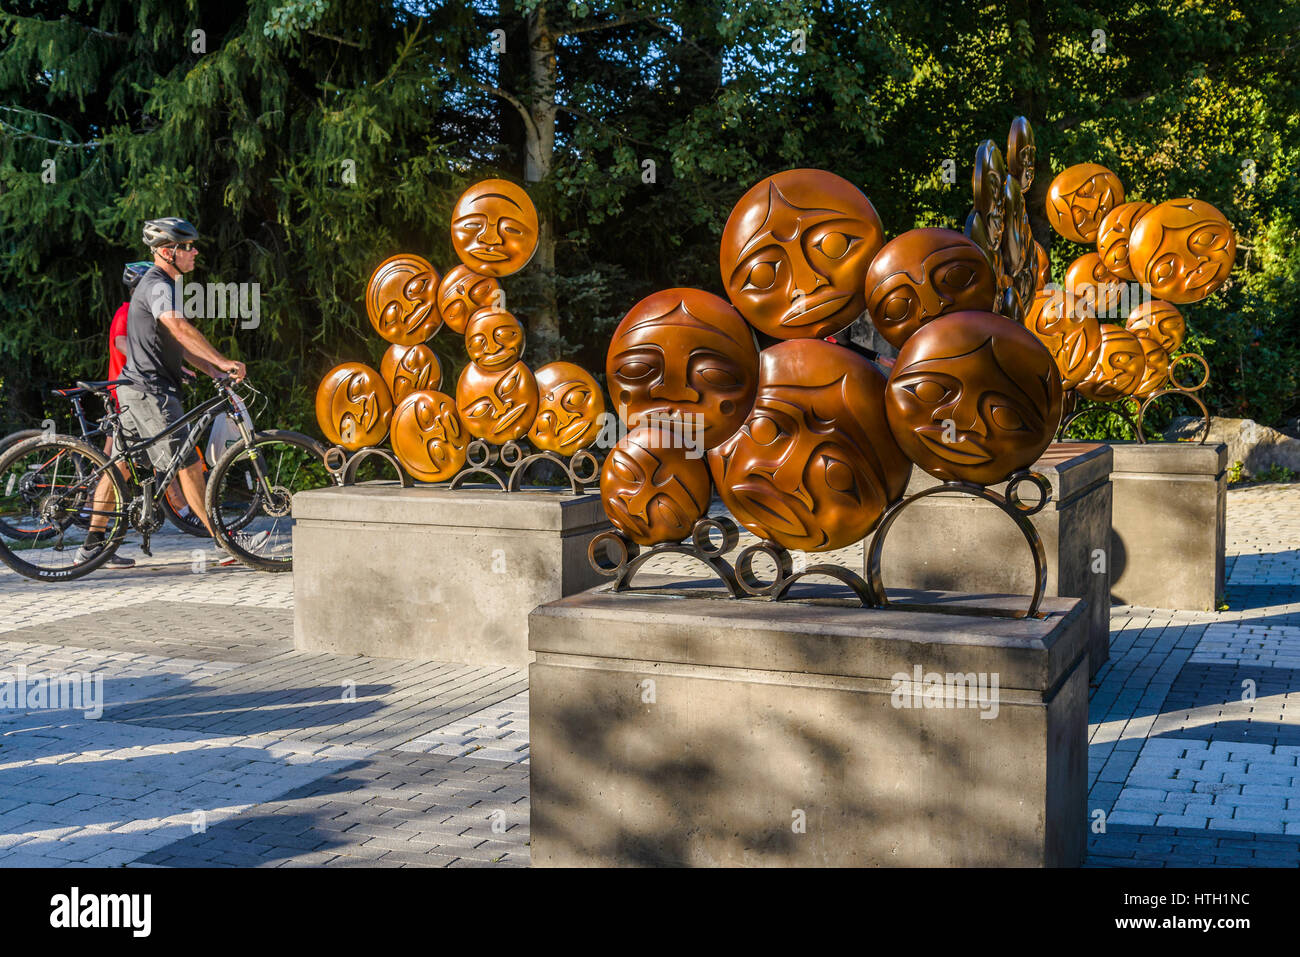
<point>353,406</point>
<point>497,406</point>
<point>428,437</point>
<point>569,409</point>
<point>408,369</point>
<point>653,492</point>
<point>1119,369</point>
<point>462,293</point>
<point>1079,198</point>
<point>494,228</point>
<point>402,300</point>
<point>1161,320</point>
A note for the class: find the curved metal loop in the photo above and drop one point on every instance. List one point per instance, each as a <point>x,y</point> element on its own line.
<point>1039,481</point>
<point>577,481</point>
<point>1067,421</point>
<point>702,535</point>
<point>779,588</point>
<point>349,471</point>
<point>1019,516</point>
<point>1204,428</point>
<point>1205,373</point>
<point>336,468</point>
<point>600,545</point>
<point>584,467</point>
<point>632,558</point>
<point>480,454</point>
<point>512,453</point>
<point>481,473</point>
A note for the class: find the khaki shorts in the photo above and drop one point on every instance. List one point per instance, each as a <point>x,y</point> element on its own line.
<point>145,414</point>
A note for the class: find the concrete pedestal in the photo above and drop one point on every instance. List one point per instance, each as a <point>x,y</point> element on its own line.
<point>433,574</point>
<point>1168,524</point>
<point>958,543</point>
<point>697,731</point>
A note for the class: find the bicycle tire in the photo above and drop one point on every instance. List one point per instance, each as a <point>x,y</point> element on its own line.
<point>54,447</point>
<point>8,529</point>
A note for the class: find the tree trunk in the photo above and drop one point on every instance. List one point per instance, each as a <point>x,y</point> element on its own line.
<point>544,325</point>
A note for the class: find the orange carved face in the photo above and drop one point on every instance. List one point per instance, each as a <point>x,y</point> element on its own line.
<point>795,253</point>
<point>1161,320</point>
<point>1022,152</point>
<point>494,340</point>
<point>1182,250</point>
<point>1119,368</point>
<point>1088,278</point>
<point>1114,235</point>
<point>1155,371</point>
<point>973,397</point>
<point>569,409</point>
<point>1079,199</point>
<point>653,492</point>
<point>494,228</point>
<point>462,293</point>
<point>1073,338</point>
<point>988,187</point>
<point>353,406</point>
<point>1044,268</point>
<point>402,300</point>
<point>428,437</point>
<point>497,406</point>
<point>408,369</point>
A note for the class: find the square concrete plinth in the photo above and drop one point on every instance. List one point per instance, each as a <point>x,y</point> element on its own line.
<point>959,543</point>
<point>433,574</point>
<point>1168,524</point>
<point>698,731</point>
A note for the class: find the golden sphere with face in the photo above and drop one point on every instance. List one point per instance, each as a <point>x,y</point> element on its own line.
<point>428,436</point>
<point>1079,199</point>
<point>652,489</point>
<point>408,369</point>
<point>1088,279</point>
<point>1072,336</point>
<point>497,406</point>
<point>569,409</point>
<point>1183,250</point>
<point>1114,235</point>
<point>1155,371</point>
<point>464,292</point>
<point>1119,368</point>
<point>494,228</point>
<point>1161,320</point>
<point>494,340</point>
<point>402,300</point>
<point>353,406</point>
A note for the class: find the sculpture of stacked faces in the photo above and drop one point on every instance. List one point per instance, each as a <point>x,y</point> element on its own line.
<point>494,340</point>
<point>462,293</point>
<point>1155,369</point>
<point>1073,337</point>
<point>1119,368</point>
<point>408,369</point>
<point>1182,250</point>
<point>1160,320</point>
<point>973,397</point>
<point>988,183</point>
<point>814,465</point>
<point>1079,199</point>
<point>428,436</point>
<point>1114,234</point>
<point>924,274</point>
<point>402,300</point>
<point>1088,278</point>
<point>497,406</point>
<point>494,228</point>
<point>687,353</point>
<point>1022,152</point>
<point>1017,250</point>
<point>569,408</point>
<point>1044,268</point>
<point>653,491</point>
<point>353,406</point>
<point>795,252</point>
<point>978,233</point>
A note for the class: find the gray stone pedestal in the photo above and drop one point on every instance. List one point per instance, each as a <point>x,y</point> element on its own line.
<point>1168,524</point>
<point>433,574</point>
<point>959,543</point>
<point>699,731</point>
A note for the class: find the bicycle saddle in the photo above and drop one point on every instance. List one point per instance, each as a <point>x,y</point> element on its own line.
<point>82,388</point>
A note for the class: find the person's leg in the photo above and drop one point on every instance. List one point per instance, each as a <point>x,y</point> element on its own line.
<point>102,502</point>
<point>192,484</point>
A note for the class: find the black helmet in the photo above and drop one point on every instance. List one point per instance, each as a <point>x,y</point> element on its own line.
<point>133,273</point>
<point>167,231</point>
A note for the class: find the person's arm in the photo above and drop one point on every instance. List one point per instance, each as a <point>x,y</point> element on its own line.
<point>119,343</point>
<point>198,351</point>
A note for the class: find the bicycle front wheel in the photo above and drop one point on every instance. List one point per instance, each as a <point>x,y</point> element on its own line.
<point>16,521</point>
<point>249,495</point>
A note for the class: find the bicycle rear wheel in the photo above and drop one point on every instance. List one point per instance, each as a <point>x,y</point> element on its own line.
<point>47,487</point>
<point>16,525</point>
<point>249,493</point>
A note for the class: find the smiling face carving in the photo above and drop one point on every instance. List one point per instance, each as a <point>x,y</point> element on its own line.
<point>497,406</point>
<point>464,292</point>
<point>1079,198</point>
<point>353,407</point>
<point>973,397</point>
<point>653,492</point>
<point>569,409</point>
<point>795,252</point>
<point>683,352</point>
<point>814,465</point>
<point>494,340</point>
<point>924,274</point>
<point>428,437</point>
<point>402,300</point>
<point>1073,338</point>
<point>1182,250</point>
<point>1119,368</point>
<point>408,369</point>
<point>1160,320</point>
<point>494,228</point>
<point>1089,279</point>
<point>1114,235</point>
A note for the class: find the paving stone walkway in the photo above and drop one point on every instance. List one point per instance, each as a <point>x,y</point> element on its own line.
<point>220,745</point>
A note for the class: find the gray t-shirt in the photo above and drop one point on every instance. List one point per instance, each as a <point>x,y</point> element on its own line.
<point>153,356</point>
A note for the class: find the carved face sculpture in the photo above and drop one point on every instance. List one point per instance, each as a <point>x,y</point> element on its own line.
<point>494,228</point>
<point>497,406</point>
<point>428,437</point>
<point>353,407</point>
<point>683,352</point>
<point>402,300</point>
<point>1182,250</point>
<point>1088,278</point>
<point>1016,235</point>
<point>653,492</point>
<point>408,369</point>
<point>973,397</point>
<point>1044,272</point>
<point>1161,320</point>
<point>1156,368</point>
<point>988,183</point>
<point>1119,368</point>
<point>1021,152</point>
<point>462,293</point>
<point>1079,199</point>
<point>922,275</point>
<point>1026,281</point>
<point>795,252</point>
<point>1073,338</point>
<point>977,233</point>
<point>569,409</point>
<point>494,340</point>
<point>814,466</point>
<point>1114,234</point>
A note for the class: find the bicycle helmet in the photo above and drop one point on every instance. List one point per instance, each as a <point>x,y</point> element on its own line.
<point>168,231</point>
<point>133,272</point>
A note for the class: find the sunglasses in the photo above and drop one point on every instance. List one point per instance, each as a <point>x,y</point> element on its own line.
<point>183,247</point>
